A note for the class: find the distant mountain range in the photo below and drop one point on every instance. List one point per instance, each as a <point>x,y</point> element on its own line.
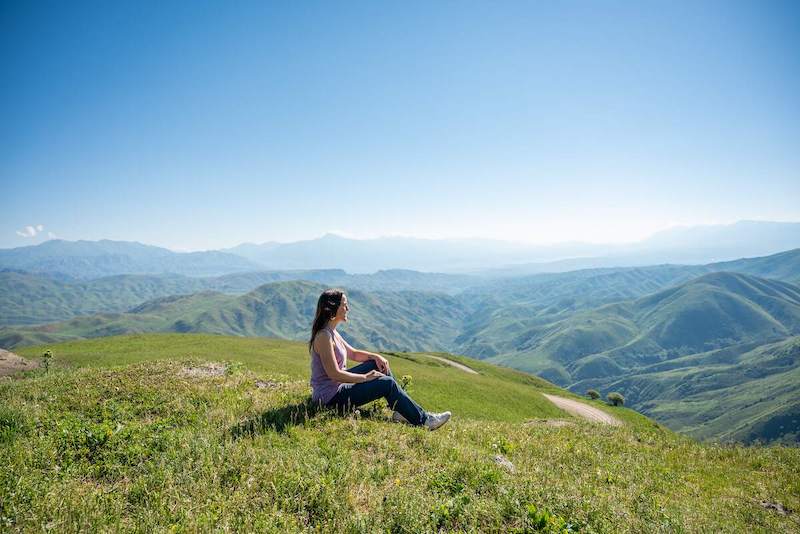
<point>84,260</point>
<point>692,245</point>
<point>683,245</point>
<point>491,258</point>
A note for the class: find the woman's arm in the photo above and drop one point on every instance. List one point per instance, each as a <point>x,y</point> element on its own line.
<point>365,356</point>
<point>323,345</point>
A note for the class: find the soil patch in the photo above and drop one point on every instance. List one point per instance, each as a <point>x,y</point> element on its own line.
<point>556,423</point>
<point>207,370</point>
<point>11,363</point>
<point>778,507</point>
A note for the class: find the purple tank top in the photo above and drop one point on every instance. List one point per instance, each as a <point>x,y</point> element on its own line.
<point>323,388</point>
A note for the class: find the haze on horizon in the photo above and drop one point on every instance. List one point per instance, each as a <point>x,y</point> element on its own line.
<point>196,125</point>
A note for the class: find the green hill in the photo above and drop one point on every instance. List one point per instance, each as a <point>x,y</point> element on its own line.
<point>710,312</point>
<point>782,266</point>
<point>28,298</point>
<point>741,393</point>
<point>387,320</point>
<point>521,305</point>
<point>663,351</point>
<point>37,298</point>
<point>133,433</point>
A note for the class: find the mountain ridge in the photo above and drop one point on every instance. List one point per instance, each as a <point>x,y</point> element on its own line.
<point>491,257</point>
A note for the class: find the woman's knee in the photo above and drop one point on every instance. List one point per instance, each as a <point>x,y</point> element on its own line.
<point>388,383</point>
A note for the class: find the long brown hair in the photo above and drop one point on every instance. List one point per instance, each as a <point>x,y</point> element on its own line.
<point>327,306</point>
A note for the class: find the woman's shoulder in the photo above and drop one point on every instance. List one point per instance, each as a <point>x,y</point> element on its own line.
<point>323,333</point>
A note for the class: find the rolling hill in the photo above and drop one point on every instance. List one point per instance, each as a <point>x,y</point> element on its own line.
<point>745,393</point>
<point>709,312</point>
<point>35,298</point>
<point>385,320</point>
<point>518,307</point>
<point>667,352</point>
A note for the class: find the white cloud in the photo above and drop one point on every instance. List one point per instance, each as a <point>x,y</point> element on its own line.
<point>28,231</point>
<point>33,231</point>
<point>51,235</point>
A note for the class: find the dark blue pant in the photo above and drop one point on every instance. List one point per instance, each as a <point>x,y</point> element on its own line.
<point>351,395</point>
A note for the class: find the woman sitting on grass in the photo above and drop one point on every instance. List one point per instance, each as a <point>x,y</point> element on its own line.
<point>334,386</point>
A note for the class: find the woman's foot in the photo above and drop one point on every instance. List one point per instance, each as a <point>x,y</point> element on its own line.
<point>435,420</point>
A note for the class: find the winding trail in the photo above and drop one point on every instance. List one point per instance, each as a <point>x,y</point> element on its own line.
<point>583,410</point>
<point>454,364</point>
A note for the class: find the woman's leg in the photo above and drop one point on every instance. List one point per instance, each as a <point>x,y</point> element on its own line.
<point>351,395</point>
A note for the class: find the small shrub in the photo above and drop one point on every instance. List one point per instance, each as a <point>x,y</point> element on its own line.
<point>593,394</point>
<point>406,381</point>
<point>615,398</point>
<point>46,359</point>
<point>503,445</point>
<point>541,520</point>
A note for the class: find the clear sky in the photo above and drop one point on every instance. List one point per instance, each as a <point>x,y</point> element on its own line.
<point>198,125</point>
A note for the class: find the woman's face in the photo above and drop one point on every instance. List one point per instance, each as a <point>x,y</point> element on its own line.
<point>341,312</point>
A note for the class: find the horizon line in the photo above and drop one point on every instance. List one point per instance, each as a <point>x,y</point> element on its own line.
<point>346,235</point>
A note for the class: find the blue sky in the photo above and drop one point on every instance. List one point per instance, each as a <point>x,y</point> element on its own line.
<point>206,124</point>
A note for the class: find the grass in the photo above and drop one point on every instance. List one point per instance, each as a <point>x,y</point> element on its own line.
<point>437,386</point>
<point>117,437</point>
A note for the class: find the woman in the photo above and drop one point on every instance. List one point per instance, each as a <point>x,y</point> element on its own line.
<point>337,387</point>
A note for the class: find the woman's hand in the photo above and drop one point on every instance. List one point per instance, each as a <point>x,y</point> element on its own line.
<point>381,363</point>
<point>372,375</point>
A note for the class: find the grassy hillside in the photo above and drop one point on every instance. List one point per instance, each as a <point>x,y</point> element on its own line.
<point>510,305</point>
<point>710,312</point>
<point>518,307</point>
<point>119,437</point>
<point>37,298</point>
<point>782,266</point>
<point>28,298</point>
<point>687,356</point>
<point>740,393</point>
<point>388,320</point>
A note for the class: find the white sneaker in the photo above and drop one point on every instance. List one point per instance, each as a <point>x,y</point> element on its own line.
<point>435,420</point>
<point>397,417</point>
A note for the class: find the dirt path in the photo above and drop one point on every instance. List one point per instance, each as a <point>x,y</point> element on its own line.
<point>583,410</point>
<point>10,363</point>
<point>454,364</point>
